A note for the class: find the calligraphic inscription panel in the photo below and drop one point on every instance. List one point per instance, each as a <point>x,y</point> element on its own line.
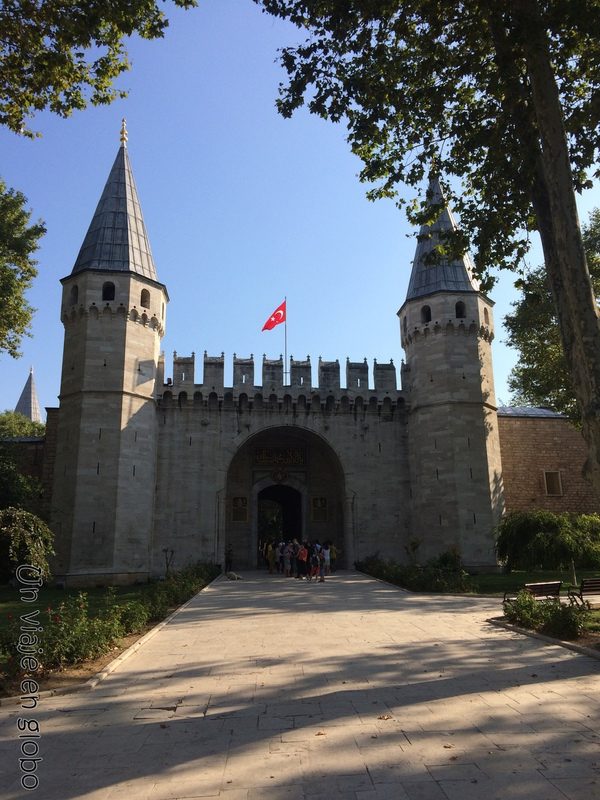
<point>279,457</point>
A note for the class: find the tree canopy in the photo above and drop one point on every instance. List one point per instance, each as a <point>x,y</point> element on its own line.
<point>60,55</point>
<point>502,96</point>
<point>24,539</point>
<point>541,376</point>
<point>16,487</point>
<point>423,82</point>
<point>19,239</point>
<point>13,424</point>
<point>540,539</point>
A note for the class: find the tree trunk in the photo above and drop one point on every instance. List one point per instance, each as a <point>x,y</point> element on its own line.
<point>560,233</point>
<point>539,123</point>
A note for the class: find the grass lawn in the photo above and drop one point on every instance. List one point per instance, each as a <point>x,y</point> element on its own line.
<point>498,583</point>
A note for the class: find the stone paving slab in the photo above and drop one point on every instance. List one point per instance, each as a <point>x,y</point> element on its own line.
<point>273,689</point>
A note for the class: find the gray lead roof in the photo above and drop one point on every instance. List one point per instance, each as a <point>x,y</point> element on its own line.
<point>117,239</point>
<point>529,411</point>
<point>29,404</point>
<point>440,275</point>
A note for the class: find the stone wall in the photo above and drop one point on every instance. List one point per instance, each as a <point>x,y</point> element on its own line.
<point>356,457</point>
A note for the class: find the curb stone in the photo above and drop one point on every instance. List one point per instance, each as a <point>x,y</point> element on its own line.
<point>578,648</point>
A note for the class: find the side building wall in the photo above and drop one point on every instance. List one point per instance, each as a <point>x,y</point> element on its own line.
<point>534,450</point>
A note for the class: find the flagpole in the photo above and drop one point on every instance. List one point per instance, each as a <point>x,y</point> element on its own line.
<point>285,345</point>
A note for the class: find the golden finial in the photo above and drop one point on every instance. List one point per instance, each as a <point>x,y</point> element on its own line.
<point>124,132</point>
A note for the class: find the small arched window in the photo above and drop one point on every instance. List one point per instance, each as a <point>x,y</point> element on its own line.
<point>425,314</point>
<point>145,299</point>
<point>461,311</point>
<point>405,324</point>
<point>108,291</point>
<point>486,316</point>
<point>74,295</point>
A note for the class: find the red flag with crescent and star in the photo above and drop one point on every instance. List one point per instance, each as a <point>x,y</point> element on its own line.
<point>276,318</point>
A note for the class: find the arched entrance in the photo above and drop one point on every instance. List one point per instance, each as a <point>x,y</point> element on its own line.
<point>282,481</point>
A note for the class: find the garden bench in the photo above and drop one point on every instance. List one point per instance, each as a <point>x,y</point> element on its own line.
<point>546,590</point>
<point>588,592</point>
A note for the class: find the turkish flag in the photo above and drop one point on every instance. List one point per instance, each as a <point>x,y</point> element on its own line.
<point>276,318</point>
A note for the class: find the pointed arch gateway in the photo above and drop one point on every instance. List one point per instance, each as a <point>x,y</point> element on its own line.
<point>282,482</point>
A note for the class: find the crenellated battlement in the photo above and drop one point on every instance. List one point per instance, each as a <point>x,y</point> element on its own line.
<point>112,311</point>
<point>450,328</point>
<point>275,385</point>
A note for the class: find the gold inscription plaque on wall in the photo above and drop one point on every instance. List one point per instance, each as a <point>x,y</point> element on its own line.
<point>279,457</point>
<point>239,509</point>
<point>319,509</point>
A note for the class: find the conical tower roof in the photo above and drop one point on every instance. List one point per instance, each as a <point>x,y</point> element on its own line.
<point>430,274</point>
<point>28,404</point>
<point>117,239</point>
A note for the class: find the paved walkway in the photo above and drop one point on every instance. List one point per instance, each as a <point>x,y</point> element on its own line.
<point>274,689</point>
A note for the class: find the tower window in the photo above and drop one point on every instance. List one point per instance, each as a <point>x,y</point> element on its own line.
<point>426,314</point>
<point>486,316</point>
<point>460,309</point>
<point>108,291</point>
<point>405,324</point>
<point>74,295</point>
<point>145,299</point>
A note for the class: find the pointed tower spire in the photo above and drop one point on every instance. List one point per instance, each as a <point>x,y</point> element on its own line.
<point>124,134</point>
<point>117,239</point>
<point>28,404</point>
<point>431,275</point>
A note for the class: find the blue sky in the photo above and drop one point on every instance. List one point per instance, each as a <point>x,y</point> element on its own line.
<point>242,208</point>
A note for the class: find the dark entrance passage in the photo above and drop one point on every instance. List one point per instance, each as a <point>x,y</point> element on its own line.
<point>279,514</point>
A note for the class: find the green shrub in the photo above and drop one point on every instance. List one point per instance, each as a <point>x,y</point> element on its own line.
<point>546,616</point>
<point>442,574</point>
<point>134,616</point>
<point>566,621</point>
<point>178,587</point>
<point>70,635</point>
<point>526,611</point>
